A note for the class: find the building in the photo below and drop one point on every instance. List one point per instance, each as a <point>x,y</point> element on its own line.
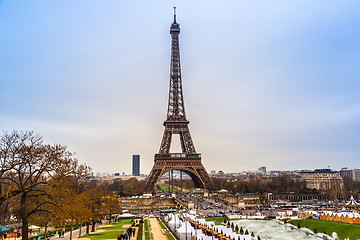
<point>136,165</point>
<point>354,174</point>
<point>249,202</point>
<point>262,170</point>
<point>322,179</point>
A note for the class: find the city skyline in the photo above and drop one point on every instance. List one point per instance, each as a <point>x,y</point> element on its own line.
<point>265,84</point>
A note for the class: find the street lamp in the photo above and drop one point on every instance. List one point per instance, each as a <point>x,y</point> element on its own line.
<point>212,233</point>
<point>185,230</point>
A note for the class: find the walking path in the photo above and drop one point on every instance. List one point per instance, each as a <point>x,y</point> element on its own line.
<point>156,229</point>
<point>75,233</point>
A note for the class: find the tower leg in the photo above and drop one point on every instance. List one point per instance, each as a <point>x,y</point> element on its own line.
<point>169,182</point>
<point>172,181</point>
<point>181,181</point>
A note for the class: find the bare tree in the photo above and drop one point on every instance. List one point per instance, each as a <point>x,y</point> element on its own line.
<point>28,168</point>
<point>110,206</point>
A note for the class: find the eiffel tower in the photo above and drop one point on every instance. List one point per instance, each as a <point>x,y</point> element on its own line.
<point>188,161</point>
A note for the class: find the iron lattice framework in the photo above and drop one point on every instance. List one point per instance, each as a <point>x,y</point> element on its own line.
<point>189,161</point>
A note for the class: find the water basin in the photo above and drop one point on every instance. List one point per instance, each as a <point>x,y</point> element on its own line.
<point>271,230</point>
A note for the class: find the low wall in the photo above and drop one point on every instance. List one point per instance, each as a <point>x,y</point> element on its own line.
<point>142,205</point>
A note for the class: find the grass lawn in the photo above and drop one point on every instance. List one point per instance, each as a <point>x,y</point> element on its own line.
<point>169,236</point>
<point>140,232</point>
<point>109,232</point>
<point>146,222</point>
<point>217,220</point>
<point>343,230</point>
<point>147,236</point>
<point>165,188</point>
<point>146,229</point>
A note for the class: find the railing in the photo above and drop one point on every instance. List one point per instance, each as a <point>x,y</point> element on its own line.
<point>179,155</point>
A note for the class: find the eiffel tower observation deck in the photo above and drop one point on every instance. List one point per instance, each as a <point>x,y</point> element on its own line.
<point>176,123</point>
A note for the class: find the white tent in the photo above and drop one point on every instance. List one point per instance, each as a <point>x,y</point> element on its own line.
<point>352,202</point>
<point>185,229</point>
<point>126,215</point>
<point>192,211</point>
<point>174,222</point>
<point>196,232</point>
<point>33,227</point>
<point>203,237</point>
<point>201,220</point>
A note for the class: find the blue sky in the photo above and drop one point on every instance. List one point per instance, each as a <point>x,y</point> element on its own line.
<point>266,83</point>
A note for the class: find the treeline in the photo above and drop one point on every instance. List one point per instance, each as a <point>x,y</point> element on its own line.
<point>44,184</point>
<point>124,188</point>
<point>283,184</point>
<point>351,187</point>
<point>278,184</point>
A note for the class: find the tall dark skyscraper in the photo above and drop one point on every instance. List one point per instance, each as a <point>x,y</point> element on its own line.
<point>136,165</point>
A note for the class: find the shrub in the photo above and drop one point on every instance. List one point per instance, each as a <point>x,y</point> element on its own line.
<point>140,231</point>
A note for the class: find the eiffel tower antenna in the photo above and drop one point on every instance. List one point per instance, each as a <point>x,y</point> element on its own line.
<point>174,14</point>
<point>188,161</point>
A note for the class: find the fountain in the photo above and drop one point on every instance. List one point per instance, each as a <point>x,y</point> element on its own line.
<point>271,230</point>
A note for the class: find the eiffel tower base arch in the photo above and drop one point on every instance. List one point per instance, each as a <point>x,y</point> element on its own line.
<point>191,166</point>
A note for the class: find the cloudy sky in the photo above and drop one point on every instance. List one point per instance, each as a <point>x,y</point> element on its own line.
<point>266,83</point>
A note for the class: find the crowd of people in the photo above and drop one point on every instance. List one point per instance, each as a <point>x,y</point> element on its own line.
<point>127,234</point>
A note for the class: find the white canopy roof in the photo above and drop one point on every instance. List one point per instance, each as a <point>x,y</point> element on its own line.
<point>34,227</point>
<point>185,228</point>
<point>126,215</point>
<point>352,202</point>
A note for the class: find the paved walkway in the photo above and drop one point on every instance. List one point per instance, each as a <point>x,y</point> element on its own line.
<point>75,233</point>
<point>156,229</point>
